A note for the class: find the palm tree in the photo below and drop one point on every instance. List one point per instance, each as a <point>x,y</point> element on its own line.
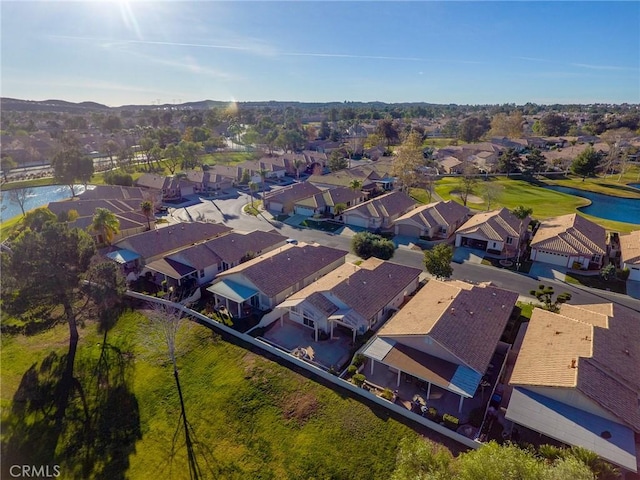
<point>147,210</point>
<point>253,186</point>
<point>355,185</point>
<point>106,223</point>
<point>263,177</point>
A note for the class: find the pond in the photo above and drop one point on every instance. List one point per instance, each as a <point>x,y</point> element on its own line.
<point>605,206</point>
<point>39,196</point>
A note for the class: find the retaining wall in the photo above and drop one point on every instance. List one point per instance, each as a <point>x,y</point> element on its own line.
<point>468,442</point>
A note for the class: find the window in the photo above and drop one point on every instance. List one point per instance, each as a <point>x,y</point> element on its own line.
<point>308,322</point>
<point>595,258</point>
<point>201,273</point>
<point>509,240</point>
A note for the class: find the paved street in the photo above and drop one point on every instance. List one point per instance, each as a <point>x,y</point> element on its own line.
<point>229,212</point>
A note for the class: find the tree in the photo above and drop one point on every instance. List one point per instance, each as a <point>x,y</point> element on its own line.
<point>437,261</point>
<point>608,271</point>
<point>355,184</point>
<point>297,163</point>
<point>147,210</point>
<point>166,320</point>
<point>19,196</point>
<point>553,125</point>
<point>71,165</point>
<point>253,188</point>
<point>491,192</point>
<point>522,212</point>
<point>339,208</point>
<point>473,128</point>
<point>146,146</point>
<point>106,224</point>
<point>420,459</point>
<point>337,161</point>
<point>388,129</point>
<point>189,153</point>
<point>508,161</point>
<point>111,148</point>
<point>367,244</point>
<point>467,184</point>
<point>44,271</point>
<point>125,156</point>
<point>507,125</point>
<point>7,163</point>
<point>36,219</point>
<point>545,295</point>
<point>586,163</point>
<point>172,156</point>
<point>409,159</point>
<point>534,162</point>
<point>263,180</point>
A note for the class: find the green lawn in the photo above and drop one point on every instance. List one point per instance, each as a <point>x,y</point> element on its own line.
<point>597,281</point>
<point>226,158</point>
<point>544,202</point>
<point>320,225</point>
<point>250,417</point>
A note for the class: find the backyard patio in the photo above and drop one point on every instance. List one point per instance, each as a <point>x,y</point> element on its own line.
<point>298,339</point>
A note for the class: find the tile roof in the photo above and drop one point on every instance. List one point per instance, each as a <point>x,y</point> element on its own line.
<point>292,193</point>
<point>113,192</point>
<point>468,320</point>
<point>331,197</point>
<point>570,234</point>
<point>233,246</point>
<point>285,267</point>
<point>434,214</point>
<point>630,248</point>
<point>494,225</point>
<point>366,288</point>
<point>592,348</point>
<point>387,205</point>
<point>343,178</point>
<point>197,256</point>
<point>169,239</point>
<point>151,180</point>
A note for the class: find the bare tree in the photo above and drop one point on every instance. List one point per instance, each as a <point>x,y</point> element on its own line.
<point>467,184</point>
<point>166,320</point>
<point>19,196</point>
<point>491,192</point>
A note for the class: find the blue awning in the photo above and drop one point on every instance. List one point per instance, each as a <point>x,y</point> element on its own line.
<point>465,381</point>
<point>123,256</point>
<point>232,290</point>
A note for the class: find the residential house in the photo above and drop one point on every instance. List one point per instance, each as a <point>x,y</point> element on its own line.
<point>437,220</point>
<point>576,379</point>
<point>325,202</point>
<point>446,336</point>
<point>570,241</point>
<point>630,254</point>
<point>499,232</point>
<point>343,178</point>
<point>450,164</point>
<point>269,279</point>
<point>209,182</point>
<point>255,167</point>
<point>204,261</point>
<point>357,298</point>
<point>380,212</point>
<point>284,199</point>
<point>172,188</point>
<point>138,250</point>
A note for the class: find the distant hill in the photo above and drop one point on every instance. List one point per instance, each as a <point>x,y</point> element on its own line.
<point>17,105</point>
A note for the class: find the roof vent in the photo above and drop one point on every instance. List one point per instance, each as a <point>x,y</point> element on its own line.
<point>606,434</point>
<point>453,310</point>
<point>573,363</point>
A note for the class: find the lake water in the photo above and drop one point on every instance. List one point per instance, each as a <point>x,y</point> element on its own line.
<point>605,206</point>
<point>40,196</point>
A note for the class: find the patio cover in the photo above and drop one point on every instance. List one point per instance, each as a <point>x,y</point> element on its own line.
<point>171,268</point>
<point>291,303</point>
<point>123,256</point>
<point>573,426</point>
<point>458,379</point>
<point>232,290</point>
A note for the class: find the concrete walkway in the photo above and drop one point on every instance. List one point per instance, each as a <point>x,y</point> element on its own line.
<point>540,271</point>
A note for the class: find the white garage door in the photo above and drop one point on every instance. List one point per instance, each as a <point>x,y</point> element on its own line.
<point>552,259</point>
<point>408,230</point>
<point>304,211</point>
<point>634,273</point>
<point>275,207</point>
<point>356,221</point>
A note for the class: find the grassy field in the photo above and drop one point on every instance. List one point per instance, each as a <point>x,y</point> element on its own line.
<point>226,158</point>
<point>544,202</point>
<point>250,417</point>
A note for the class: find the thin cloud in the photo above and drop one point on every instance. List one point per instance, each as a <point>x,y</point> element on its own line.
<point>600,67</point>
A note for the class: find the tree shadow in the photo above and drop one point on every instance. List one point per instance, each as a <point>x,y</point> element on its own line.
<point>100,423</point>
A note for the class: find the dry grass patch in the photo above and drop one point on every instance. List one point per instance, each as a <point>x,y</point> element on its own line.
<point>299,407</point>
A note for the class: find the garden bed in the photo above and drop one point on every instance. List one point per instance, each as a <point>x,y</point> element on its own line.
<point>325,226</point>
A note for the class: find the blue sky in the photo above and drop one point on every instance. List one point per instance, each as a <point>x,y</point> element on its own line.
<point>440,52</point>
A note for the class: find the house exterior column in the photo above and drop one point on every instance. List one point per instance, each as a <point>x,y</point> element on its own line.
<point>460,404</point>
<point>239,310</point>
<point>315,331</point>
<point>354,335</point>
<point>428,390</point>
<point>398,379</point>
<point>373,362</point>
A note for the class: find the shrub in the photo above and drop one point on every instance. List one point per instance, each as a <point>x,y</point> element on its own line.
<point>450,420</point>
<point>352,370</point>
<point>358,359</point>
<point>624,274</point>
<point>118,178</point>
<point>358,379</point>
<point>387,394</point>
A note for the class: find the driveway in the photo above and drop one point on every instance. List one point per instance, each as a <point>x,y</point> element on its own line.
<point>633,288</point>
<point>468,255</point>
<point>544,270</point>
